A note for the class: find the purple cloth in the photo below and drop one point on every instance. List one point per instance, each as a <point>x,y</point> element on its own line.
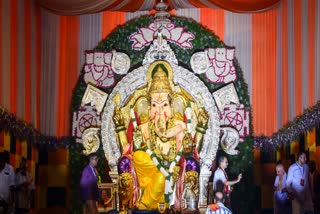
<point>124,165</point>
<point>88,185</point>
<point>192,164</point>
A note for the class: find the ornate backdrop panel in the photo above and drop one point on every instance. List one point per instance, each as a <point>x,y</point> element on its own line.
<point>42,54</point>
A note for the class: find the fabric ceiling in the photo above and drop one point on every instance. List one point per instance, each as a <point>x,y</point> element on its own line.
<point>76,7</point>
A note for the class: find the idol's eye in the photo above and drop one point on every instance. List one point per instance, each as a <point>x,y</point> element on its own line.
<point>166,104</point>
<point>153,105</point>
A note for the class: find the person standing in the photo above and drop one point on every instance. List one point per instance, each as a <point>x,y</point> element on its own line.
<point>280,199</point>
<point>24,188</point>
<point>221,182</point>
<point>315,186</point>
<point>6,184</point>
<point>218,206</point>
<point>298,185</point>
<point>89,186</point>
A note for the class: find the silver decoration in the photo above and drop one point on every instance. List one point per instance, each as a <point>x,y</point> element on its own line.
<point>190,198</point>
<point>160,50</point>
<point>203,189</point>
<point>230,140</point>
<point>162,16</point>
<point>120,62</point>
<point>226,95</point>
<point>85,117</point>
<point>95,97</point>
<point>200,62</point>
<point>125,88</point>
<point>90,140</point>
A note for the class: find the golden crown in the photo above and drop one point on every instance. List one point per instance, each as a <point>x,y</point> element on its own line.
<point>160,82</point>
<point>160,77</point>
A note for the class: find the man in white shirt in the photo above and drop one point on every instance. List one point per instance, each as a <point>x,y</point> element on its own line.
<point>221,182</point>
<point>298,185</point>
<point>6,184</point>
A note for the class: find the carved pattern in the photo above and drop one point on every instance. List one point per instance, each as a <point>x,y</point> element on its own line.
<point>99,67</point>
<point>236,116</point>
<point>171,32</point>
<point>120,62</point>
<point>216,63</point>
<point>221,68</point>
<point>85,117</point>
<point>95,97</point>
<point>200,62</point>
<point>226,95</point>
<point>90,140</point>
<point>160,49</point>
<point>230,140</point>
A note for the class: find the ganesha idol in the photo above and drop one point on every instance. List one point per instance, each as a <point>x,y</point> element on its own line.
<point>159,150</point>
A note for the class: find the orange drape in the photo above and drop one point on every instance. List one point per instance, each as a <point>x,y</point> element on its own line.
<point>285,101</point>
<point>298,55</point>
<point>13,54</point>
<point>27,39</point>
<point>311,50</point>
<point>245,6</point>
<point>134,6</point>
<point>211,18</point>
<point>110,20</point>
<point>264,75</point>
<point>38,67</point>
<point>68,70</point>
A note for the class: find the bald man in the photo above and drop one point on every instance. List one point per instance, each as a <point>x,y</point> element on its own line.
<point>280,197</point>
<point>218,207</point>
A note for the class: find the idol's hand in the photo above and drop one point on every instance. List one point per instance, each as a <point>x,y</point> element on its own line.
<point>137,138</point>
<point>203,117</point>
<point>118,118</point>
<point>239,177</point>
<point>176,172</point>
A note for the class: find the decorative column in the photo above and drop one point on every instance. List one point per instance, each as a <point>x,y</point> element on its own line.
<point>115,177</point>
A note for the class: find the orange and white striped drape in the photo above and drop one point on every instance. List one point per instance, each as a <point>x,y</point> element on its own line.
<point>20,59</point>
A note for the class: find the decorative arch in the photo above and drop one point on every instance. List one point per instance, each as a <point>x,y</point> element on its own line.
<point>186,39</point>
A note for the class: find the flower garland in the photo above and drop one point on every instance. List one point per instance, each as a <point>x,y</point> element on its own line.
<point>168,174</point>
<point>291,131</point>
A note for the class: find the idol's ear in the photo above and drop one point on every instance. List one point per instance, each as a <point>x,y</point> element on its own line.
<point>178,105</point>
<point>142,109</point>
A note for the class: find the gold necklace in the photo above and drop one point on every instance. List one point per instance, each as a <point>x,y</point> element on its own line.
<point>153,141</point>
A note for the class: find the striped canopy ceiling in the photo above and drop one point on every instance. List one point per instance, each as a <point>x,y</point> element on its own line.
<point>76,7</point>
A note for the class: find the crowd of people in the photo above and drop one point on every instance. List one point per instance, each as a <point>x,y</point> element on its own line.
<point>297,192</point>
<point>16,188</point>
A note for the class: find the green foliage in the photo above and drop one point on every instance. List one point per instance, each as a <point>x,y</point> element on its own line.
<point>243,163</point>
<point>119,40</point>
